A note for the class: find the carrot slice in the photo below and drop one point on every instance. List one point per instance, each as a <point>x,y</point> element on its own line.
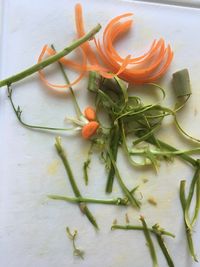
<point>59,86</point>
<point>89,129</point>
<point>90,113</point>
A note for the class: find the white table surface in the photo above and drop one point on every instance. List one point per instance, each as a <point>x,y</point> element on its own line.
<point>32,228</point>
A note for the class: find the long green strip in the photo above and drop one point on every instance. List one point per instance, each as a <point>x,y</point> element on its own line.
<point>171,148</point>
<point>149,242</point>
<point>77,108</point>
<point>18,113</point>
<point>160,239</point>
<point>194,181</point>
<point>197,206</point>
<point>116,201</point>
<point>140,228</point>
<point>164,250</point>
<point>187,229</point>
<point>77,193</point>
<point>114,144</point>
<point>39,66</point>
<point>134,202</point>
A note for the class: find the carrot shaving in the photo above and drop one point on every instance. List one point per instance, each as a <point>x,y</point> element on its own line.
<point>74,65</point>
<point>121,69</point>
<point>81,32</point>
<point>105,42</point>
<point>114,33</point>
<point>144,68</point>
<point>112,22</point>
<point>170,55</point>
<point>163,69</point>
<point>59,86</point>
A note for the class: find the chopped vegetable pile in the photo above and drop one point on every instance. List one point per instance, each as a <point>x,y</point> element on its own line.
<point>131,125</point>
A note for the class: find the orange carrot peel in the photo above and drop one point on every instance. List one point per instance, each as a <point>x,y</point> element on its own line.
<point>105,59</point>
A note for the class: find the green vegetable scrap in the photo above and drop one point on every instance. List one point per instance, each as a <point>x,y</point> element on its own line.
<point>77,252</point>
<point>158,232</point>
<point>77,193</point>
<point>181,83</point>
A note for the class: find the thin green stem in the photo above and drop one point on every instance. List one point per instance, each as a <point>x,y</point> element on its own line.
<point>39,66</point>
<point>163,152</point>
<point>146,136</point>
<point>76,105</point>
<point>114,144</point>
<point>18,113</point>
<point>164,145</point>
<point>76,191</point>
<point>77,252</point>
<point>116,201</point>
<point>164,250</point>
<point>160,239</point>
<point>134,202</point>
<point>187,229</point>
<point>149,242</point>
<point>140,228</point>
<point>125,146</point>
<point>197,205</point>
<point>195,178</point>
<point>86,164</point>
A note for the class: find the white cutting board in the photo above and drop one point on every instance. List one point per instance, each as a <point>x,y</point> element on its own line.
<point>32,227</point>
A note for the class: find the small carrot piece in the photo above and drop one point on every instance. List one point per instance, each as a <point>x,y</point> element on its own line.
<point>90,113</point>
<point>89,129</point>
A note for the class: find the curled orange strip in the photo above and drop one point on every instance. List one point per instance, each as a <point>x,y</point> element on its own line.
<point>59,86</point>
<point>148,67</point>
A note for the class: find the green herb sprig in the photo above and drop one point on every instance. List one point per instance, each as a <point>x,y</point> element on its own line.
<point>72,236</point>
